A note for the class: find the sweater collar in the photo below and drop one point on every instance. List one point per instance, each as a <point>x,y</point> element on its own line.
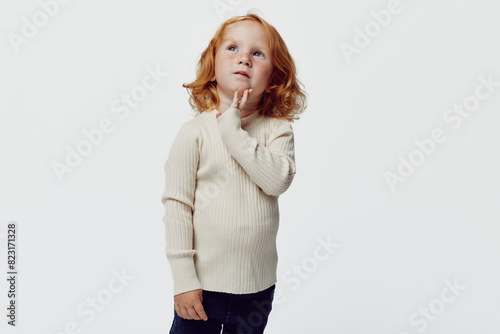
<point>250,119</point>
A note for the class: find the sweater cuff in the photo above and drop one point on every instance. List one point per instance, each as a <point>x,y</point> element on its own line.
<point>184,275</point>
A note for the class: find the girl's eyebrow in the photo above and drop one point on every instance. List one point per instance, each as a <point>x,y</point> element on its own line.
<point>228,39</point>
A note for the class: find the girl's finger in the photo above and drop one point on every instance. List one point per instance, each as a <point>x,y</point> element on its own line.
<point>234,104</point>
<point>244,99</point>
<point>246,94</point>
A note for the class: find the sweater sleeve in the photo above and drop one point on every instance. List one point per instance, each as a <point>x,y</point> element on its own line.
<point>178,198</point>
<point>272,168</point>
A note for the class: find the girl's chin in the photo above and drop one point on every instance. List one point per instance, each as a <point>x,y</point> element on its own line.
<point>229,93</point>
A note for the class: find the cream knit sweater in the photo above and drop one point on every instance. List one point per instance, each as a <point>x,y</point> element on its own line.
<point>223,177</point>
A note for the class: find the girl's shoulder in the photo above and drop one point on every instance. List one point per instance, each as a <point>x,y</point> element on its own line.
<point>277,123</point>
<point>196,127</point>
<point>190,129</point>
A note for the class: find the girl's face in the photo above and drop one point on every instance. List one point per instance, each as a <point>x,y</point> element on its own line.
<point>244,48</point>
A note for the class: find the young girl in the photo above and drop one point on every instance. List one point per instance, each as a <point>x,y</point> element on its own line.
<point>224,174</point>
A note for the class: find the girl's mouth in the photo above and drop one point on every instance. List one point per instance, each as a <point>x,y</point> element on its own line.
<point>243,74</point>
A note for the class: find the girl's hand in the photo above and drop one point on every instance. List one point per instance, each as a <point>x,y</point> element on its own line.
<point>241,104</point>
<point>189,305</point>
<point>236,102</point>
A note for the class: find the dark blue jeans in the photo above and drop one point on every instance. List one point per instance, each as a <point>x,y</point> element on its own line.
<point>234,313</point>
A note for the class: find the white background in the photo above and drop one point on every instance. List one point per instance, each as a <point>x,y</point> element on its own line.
<point>397,247</point>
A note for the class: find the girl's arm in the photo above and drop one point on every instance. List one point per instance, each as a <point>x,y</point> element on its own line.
<point>272,168</point>
<point>178,199</point>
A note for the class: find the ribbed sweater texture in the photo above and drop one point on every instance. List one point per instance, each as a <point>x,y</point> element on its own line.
<point>223,177</point>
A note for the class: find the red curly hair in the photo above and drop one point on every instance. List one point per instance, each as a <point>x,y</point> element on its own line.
<point>286,98</point>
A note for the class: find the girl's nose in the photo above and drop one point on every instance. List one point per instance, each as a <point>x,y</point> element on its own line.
<point>244,59</point>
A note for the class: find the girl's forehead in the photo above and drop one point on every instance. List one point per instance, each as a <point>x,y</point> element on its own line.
<point>236,32</point>
<point>244,27</point>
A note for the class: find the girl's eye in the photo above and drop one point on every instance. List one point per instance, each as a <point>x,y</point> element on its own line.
<point>258,53</point>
